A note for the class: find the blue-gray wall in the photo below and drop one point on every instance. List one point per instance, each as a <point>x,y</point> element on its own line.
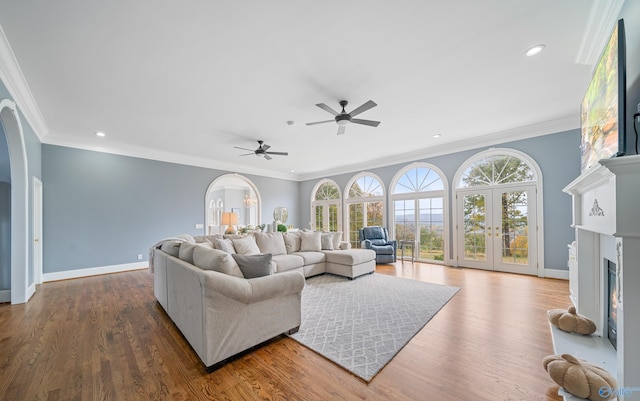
<point>557,155</point>
<point>102,209</point>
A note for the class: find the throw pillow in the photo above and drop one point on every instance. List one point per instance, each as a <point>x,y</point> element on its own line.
<point>186,251</point>
<point>253,266</point>
<point>171,247</point>
<point>337,238</point>
<point>246,245</point>
<point>292,242</point>
<point>310,241</point>
<point>214,259</point>
<point>225,245</point>
<point>272,243</point>
<point>326,241</point>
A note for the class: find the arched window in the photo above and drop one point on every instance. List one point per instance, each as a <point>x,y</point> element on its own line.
<point>499,212</point>
<point>418,199</point>
<point>365,205</point>
<point>326,210</point>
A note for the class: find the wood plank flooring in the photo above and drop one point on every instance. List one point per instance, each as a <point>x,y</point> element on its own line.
<point>106,338</point>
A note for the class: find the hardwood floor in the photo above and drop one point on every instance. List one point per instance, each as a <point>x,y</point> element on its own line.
<point>106,338</point>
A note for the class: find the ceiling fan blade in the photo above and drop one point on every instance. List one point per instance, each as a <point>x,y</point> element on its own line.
<point>321,122</point>
<point>327,108</point>
<point>278,153</point>
<point>341,129</point>
<point>363,108</point>
<point>247,154</point>
<point>365,122</point>
<point>266,156</point>
<point>265,147</point>
<point>250,150</point>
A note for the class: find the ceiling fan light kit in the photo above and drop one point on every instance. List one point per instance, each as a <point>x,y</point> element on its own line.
<point>343,118</point>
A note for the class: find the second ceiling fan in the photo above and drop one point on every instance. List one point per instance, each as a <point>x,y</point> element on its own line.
<point>343,118</point>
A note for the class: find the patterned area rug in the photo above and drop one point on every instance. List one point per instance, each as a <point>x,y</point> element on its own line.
<point>362,324</point>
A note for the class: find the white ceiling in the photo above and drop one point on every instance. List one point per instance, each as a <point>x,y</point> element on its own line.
<point>187,81</point>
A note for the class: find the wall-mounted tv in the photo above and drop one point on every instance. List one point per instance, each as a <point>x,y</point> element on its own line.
<point>604,104</point>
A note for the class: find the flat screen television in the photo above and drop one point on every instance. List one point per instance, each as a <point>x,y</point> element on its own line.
<point>604,105</point>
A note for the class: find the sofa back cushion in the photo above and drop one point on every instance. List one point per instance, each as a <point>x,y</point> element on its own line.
<point>246,245</point>
<point>253,266</point>
<point>310,241</point>
<point>272,243</point>
<point>372,233</point>
<point>224,244</point>
<point>292,241</point>
<point>186,250</point>
<point>171,247</point>
<point>214,259</point>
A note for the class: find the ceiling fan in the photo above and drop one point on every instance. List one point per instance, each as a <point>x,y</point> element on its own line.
<point>262,151</point>
<point>343,118</point>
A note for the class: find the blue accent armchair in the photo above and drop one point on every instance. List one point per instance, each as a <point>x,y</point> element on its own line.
<point>377,238</point>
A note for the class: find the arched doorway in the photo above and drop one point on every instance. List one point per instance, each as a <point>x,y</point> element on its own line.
<point>19,200</point>
<point>232,193</point>
<point>498,212</point>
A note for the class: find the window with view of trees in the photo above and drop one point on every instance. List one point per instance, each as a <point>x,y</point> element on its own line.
<point>365,205</point>
<point>326,206</point>
<point>418,210</point>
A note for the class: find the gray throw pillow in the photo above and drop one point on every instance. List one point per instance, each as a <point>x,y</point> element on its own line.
<point>326,241</point>
<point>253,266</point>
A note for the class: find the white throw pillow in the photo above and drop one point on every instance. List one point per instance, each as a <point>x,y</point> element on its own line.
<point>225,245</point>
<point>246,246</point>
<point>337,238</point>
<point>215,259</point>
<point>326,241</point>
<point>272,243</point>
<point>292,242</point>
<point>310,241</point>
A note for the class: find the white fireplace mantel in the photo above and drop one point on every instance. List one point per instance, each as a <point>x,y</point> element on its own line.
<point>606,217</point>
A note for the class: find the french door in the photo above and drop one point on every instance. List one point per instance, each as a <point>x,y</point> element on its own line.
<point>496,228</point>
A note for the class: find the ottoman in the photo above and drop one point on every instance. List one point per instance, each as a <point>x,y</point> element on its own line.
<point>350,262</point>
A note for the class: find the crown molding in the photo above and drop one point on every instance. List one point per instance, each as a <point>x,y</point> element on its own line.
<point>515,134</point>
<point>602,17</point>
<point>12,77</point>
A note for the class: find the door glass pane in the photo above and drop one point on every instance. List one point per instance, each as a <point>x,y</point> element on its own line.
<point>474,227</point>
<point>333,217</point>
<point>374,213</point>
<point>319,223</point>
<point>431,229</point>
<point>515,228</point>
<point>356,222</point>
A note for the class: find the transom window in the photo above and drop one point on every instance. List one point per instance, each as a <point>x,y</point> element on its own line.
<point>495,170</point>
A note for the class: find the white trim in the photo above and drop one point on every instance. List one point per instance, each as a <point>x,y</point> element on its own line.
<point>93,271</point>
<point>556,273</point>
<point>539,197</point>
<point>602,18</point>
<point>346,201</point>
<point>14,80</point>
<point>222,177</point>
<point>37,230</point>
<point>10,120</point>
<point>5,296</point>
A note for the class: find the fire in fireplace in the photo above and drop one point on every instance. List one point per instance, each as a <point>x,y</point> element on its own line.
<point>612,318</point>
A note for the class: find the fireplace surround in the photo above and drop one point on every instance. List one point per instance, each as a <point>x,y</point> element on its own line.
<point>606,218</point>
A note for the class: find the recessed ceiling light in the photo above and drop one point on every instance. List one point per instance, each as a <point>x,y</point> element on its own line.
<point>100,134</point>
<point>293,171</point>
<point>437,136</point>
<point>534,50</point>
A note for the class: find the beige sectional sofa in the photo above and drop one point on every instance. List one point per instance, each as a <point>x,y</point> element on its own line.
<point>221,313</point>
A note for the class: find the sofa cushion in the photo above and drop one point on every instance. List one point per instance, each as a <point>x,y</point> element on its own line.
<point>350,257</point>
<point>214,259</point>
<point>310,241</point>
<point>272,243</point>
<point>171,247</point>
<point>225,245</point>
<point>253,266</point>
<point>287,262</point>
<point>326,241</point>
<point>311,258</point>
<point>186,250</point>
<point>292,242</point>
<point>337,238</point>
<point>246,245</point>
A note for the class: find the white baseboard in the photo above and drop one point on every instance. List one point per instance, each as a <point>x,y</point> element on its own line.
<point>30,291</point>
<point>556,273</point>
<point>93,271</point>
<point>5,295</point>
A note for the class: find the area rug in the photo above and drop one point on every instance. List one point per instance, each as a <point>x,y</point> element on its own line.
<point>362,324</point>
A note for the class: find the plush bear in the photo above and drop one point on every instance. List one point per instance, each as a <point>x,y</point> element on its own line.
<point>570,321</point>
<point>579,377</point>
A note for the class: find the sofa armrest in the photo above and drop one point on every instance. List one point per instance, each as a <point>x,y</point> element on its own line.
<point>365,244</point>
<point>254,290</point>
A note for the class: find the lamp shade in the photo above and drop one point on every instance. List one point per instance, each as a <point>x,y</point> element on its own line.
<point>230,218</point>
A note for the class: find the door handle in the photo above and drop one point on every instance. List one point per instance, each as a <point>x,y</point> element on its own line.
<point>36,240</point>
